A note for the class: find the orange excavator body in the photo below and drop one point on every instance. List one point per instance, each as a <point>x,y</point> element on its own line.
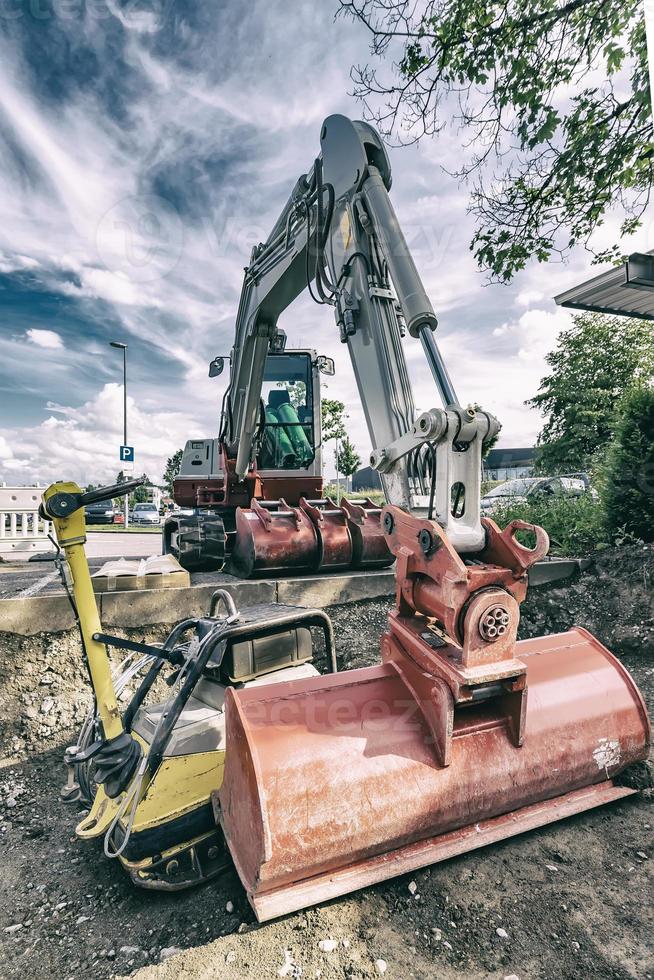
<point>462,736</point>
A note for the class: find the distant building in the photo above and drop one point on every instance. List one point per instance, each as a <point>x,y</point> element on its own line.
<point>508,464</point>
<point>366,479</point>
<point>154,495</point>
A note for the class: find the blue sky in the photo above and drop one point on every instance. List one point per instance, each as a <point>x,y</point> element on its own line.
<point>144,148</point>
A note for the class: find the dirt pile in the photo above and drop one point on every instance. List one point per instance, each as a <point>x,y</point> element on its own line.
<point>44,687</point>
<point>614,599</point>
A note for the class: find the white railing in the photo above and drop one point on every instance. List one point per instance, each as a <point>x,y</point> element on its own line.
<point>21,528</point>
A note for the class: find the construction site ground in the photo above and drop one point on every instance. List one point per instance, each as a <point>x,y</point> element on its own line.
<point>573,900</point>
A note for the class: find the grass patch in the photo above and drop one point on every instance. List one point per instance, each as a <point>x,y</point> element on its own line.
<point>377,496</point>
<point>575,525</point>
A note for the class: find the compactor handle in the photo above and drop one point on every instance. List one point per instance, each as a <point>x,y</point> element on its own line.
<point>107,493</point>
<point>64,504</point>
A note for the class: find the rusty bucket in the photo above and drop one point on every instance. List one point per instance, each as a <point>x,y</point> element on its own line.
<point>334,539</point>
<point>337,782</point>
<point>369,546</point>
<point>271,536</point>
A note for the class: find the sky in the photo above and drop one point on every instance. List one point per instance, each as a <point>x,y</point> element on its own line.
<point>145,147</point>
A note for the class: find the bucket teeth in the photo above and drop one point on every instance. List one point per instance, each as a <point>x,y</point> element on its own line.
<point>271,537</point>
<point>316,536</point>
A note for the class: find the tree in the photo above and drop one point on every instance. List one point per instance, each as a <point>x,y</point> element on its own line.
<point>628,491</point>
<point>333,419</point>
<point>595,362</point>
<point>297,392</point>
<point>490,443</point>
<point>553,101</point>
<point>140,495</point>
<point>173,467</point>
<point>348,460</point>
<point>119,502</point>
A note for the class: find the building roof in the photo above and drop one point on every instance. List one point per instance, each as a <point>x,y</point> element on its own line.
<point>625,290</point>
<point>508,457</point>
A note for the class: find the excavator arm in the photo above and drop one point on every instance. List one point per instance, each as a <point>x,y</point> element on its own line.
<point>275,277</point>
<point>339,237</point>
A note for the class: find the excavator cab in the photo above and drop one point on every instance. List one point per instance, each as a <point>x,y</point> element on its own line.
<point>288,434</point>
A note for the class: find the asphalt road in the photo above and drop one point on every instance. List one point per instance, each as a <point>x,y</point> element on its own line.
<point>20,578</point>
<point>125,545</point>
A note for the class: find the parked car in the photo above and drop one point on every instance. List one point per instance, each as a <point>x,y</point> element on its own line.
<point>534,487</point>
<point>101,512</point>
<point>145,514</point>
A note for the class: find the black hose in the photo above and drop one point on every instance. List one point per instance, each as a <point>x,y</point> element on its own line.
<point>169,720</point>
<point>324,287</point>
<point>432,489</point>
<point>141,693</point>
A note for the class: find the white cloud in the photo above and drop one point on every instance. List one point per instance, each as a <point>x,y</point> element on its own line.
<point>141,21</point>
<point>527,297</point>
<point>5,449</point>
<point>113,287</point>
<point>81,443</point>
<point>16,263</point>
<point>44,338</point>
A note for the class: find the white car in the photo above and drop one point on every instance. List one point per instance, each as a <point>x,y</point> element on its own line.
<point>532,488</point>
<point>145,514</point>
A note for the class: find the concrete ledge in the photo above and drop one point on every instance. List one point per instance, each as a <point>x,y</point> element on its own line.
<point>556,570</point>
<point>148,607</point>
<point>331,590</point>
<point>170,605</point>
<point>39,614</point>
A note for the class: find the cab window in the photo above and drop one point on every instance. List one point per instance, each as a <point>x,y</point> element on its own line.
<point>287,439</point>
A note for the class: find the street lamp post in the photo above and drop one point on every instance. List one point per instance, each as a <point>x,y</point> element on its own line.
<point>123,347</point>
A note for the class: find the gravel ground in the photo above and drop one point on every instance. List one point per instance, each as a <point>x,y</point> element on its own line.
<point>573,900</point>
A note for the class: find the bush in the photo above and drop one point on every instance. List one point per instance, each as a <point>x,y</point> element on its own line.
<point>628,476</point>
<point>575,525</point>
<point>377,496</point>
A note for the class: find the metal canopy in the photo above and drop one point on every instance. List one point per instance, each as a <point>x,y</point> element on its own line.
<point>626,290</point>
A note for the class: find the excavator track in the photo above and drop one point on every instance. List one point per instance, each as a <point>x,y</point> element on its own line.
<point>197,541</point>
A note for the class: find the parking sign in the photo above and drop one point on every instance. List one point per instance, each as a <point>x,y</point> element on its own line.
<point>127,454</point>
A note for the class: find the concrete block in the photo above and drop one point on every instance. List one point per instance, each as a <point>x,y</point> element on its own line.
<point>171,605</point>
<point>555,570</point>
<point>330,590</point>
<point>37,614</point>
<point>52,613</point>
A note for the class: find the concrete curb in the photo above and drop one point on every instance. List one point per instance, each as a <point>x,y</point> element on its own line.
<point>52,613</point>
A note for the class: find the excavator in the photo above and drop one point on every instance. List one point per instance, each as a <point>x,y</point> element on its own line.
<point>256,490</point>
<point>240,743</point>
